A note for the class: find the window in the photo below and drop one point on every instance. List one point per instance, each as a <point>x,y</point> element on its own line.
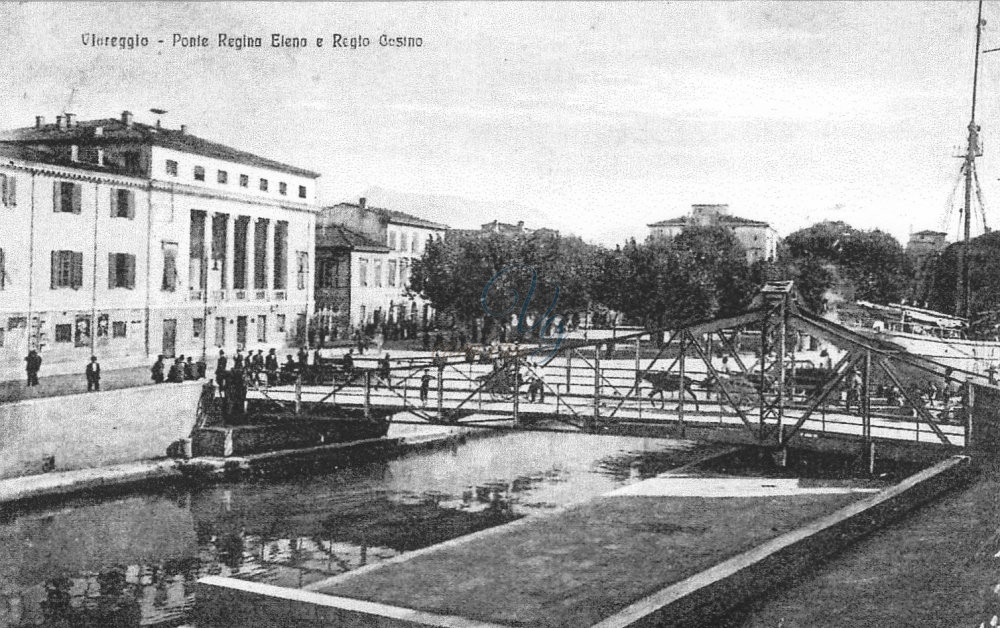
<point>244,181</point>
<point>1,336</point>
<point>392,240</point>
<point>361,315</point>
<point>81,333</point>
<point>122,203</point>
<point>363,271</point>
<point>413,244</point>
<point>280,323</point>
<point>199,173</point>
<point>197,327</point>
<point>172,167</point>
<point>223,177</point>
<point>121,270</point>
<point>66,197</point>
<point>263,185</point>
<point>169,267</point>
<point>262,328</point>
<point>3,270</point>
<point>17,322</point>
<point>303,268</point>
<point>378,273</point>
<point>220,331</point>
<point>118,329</point>
<point>329,274</point>
<point>102,327</point>
<point>67,269</point>
<point>283,188</point>
<point>64,333</point>
<point>392,272</point>
<point>302,191</point>
<point>402,242</point>
<point>8,185</point>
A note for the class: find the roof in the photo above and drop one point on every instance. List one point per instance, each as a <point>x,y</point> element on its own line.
<point>930,232</point>
<point>397,217</point>
<point>336,236</point>
<point>27,153</point>
<point>724,219</point>
<point>114,130</point>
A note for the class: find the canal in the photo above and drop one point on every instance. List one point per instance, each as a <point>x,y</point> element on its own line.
<point>133,560</point>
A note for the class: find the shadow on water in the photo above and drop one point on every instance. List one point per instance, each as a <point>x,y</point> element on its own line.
<point>134,560</point>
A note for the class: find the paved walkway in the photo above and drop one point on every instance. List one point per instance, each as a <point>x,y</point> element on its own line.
<point>55,385</point>
<point>29,486</point>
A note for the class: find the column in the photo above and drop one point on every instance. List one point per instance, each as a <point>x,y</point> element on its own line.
<point>269,256</point>
<point>251,254</point>
<point>230,253</point>
<point>206,257</point>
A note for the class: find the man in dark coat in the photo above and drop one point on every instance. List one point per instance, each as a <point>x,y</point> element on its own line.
<point>220,369</point>
<point>93,375</point>
<point>384,371</point>
<point>33,364</point>
<point>157,370</point>
<point>271,366</point>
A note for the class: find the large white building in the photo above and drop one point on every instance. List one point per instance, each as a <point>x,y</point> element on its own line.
<point>127,240</point>
<point>758,238</point>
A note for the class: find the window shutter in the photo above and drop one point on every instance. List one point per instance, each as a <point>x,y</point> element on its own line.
<point>114,202</point>
<point>112,268</point>
<point>77,198</point>
<point>55,269</point>
<point>3,271</point>
<point>56,196</point>
<point>3,188</point>
<point>131,204</point>
<point>130,266</point>
<point>12,191</point>
<point>77,278</point>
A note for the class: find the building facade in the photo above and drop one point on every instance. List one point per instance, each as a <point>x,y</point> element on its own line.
<point>365,256</point>
<point>125,240</point>
<point>757,237</point>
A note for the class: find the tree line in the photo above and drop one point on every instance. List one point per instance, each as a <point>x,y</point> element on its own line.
<point>496,285</point>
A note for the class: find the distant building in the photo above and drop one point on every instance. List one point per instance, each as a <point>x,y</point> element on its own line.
<point>365,255</point>
<point>923,251</point>
<point>757,237</point>
<point>126,240</point>
<point>504,228</point>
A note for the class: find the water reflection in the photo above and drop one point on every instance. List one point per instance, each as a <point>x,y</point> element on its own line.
<point>134,561</point>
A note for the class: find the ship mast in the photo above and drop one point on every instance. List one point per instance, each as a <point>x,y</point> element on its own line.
<point>963,305</point>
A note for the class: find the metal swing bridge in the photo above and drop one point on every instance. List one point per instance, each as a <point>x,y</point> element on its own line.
<point>738,379</point>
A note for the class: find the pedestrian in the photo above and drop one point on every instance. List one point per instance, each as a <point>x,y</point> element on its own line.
<point>176,373</point>
<point>93,373</point>
<point>271,366</point>
<point>157,370</point>
<point>33,364</point>
<point>189,371</point>
<point>303,357</point>
<point>220,369</point>
<point>348,363</point>
<point>257,363</point>
<point>425,386</point>
<point>238,361</point>
<point>384,370</point>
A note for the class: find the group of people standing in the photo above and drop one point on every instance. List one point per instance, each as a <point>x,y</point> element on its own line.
<point>182,369</point>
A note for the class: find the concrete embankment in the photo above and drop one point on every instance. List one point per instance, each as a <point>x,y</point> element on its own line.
<point>93,430</point>
<point>123,477</point>
<point>636,558</point>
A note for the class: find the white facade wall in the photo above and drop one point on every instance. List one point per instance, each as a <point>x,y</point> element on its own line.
<point>161,214</point>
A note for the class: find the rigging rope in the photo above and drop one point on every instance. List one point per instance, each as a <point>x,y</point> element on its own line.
<point>979,196</point>
<point>946,220</point>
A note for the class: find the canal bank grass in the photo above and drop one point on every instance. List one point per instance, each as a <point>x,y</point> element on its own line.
<point>578,567</point>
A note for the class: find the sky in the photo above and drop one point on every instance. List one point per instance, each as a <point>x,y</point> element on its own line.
<point>602,117</point>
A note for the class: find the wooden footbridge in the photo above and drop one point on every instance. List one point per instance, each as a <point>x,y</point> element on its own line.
<point>739,379</point>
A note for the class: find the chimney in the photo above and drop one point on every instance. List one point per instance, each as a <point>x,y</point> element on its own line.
<point>127,118</point>
<point>98,131</point>
<point>39,122</point>
<point>70,120</point>
<point>520,225</point>
<point>362,202</point>
<point>100,156</point>
<point>184,129</point>
<point>61,123</point>
<point>74,153</point>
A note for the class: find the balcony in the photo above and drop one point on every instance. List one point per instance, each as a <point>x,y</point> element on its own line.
<point>260,295</point>
<point>240,295</point>
<point>218,295</point>
<point>196,295</point>
<point>279,295</point>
